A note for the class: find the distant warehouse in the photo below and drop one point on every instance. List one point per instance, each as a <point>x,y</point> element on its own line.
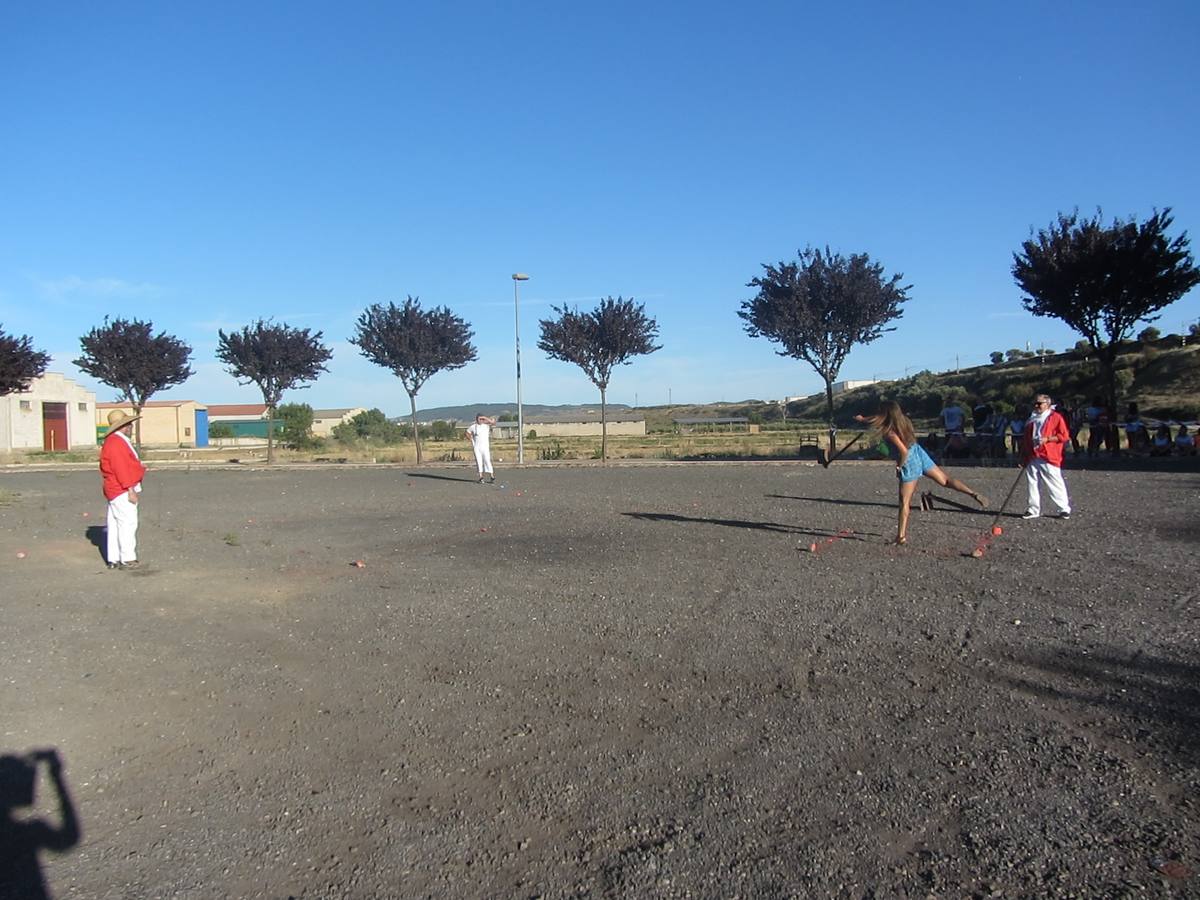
<point>576,424</point>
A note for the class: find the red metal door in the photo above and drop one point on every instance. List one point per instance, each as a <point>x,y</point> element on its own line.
<point>54,427</point>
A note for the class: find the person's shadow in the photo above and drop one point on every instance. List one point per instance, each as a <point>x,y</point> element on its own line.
<point>21,840</point>
<point>98,536</point>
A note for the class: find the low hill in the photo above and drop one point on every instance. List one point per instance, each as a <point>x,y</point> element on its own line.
<point>1162,377</point>
<point>468,413</point>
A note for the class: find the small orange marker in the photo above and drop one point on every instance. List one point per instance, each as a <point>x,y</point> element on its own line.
<point>996,529</point>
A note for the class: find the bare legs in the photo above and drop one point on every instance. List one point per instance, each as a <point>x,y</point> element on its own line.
<point>908,488</point>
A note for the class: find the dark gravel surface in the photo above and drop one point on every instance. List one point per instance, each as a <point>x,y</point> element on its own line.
<point>626,682</point>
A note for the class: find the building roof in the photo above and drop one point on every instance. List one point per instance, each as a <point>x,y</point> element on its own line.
<point>335,413</point>
<point>150,404</point>
<point>216,410</point>
<point>574,418</point>
<point>712,420</point>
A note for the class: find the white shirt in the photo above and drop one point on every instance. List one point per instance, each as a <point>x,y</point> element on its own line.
<point>482,433</point>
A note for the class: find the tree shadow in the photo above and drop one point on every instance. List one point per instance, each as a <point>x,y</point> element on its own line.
<point>973,510</point>
<point>22,840</point>
<point>97,536</point>
<point>440,477</point>
<point>745,523</point>
<point>1155,699</point>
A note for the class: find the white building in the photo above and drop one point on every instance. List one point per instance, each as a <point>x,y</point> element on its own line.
<point>54,414</point>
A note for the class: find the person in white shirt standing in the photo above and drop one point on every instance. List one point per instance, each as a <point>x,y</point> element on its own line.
<point>481,442</point>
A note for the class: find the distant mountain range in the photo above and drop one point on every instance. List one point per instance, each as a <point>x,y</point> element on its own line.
<point>468,413</point>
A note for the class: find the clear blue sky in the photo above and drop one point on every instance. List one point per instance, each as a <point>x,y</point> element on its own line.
<point>205,164</point>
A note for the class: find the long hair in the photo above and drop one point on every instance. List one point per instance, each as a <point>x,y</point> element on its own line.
<point>891,419</point>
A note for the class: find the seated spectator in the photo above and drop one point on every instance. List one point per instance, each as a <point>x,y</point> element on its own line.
<point>1161,444</point>
<point>1136,436</point>
<point>1185,444</point>
<point>1098,421</point>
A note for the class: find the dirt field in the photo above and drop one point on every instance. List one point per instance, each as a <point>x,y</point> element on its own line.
<point>585,682</point>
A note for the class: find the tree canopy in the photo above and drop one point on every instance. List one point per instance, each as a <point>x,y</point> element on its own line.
<point>1102,280</point>
<point>127,355</point>
<point>277,358</point>
<point>414,343</point>
<point>598,341</point>
<point>819,307</point>
<point>19,363</point>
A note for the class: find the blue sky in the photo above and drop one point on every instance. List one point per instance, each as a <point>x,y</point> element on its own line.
<point>204,165</point>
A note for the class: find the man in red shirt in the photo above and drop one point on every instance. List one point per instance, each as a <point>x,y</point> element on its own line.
<point>122,472</point>
<point>1042,443</point>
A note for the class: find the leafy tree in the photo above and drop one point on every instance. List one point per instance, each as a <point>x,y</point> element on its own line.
<point>296,427</point>
<point>277,358</point>
<point>820,306</point>
<point>997,357</point>
<point>1102,280</point>
<point>506,417</point>
<point>1194,329</point>
<point>1014,354</point>
<point>598,341</point>
<point>372,426</point>
<point>414,344</point>
<point>1149,335</point>
<point>220,430</point>
<point>127,355</point>
<point>19,363</point>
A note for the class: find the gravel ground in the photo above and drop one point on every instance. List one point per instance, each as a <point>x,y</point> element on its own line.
<point>633,682</point>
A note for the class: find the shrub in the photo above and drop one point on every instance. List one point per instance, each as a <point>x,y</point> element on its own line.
<point>1149,334</point>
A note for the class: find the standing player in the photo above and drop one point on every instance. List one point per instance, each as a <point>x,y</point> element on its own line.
<point>122,472</point>
<point>1042,456</point>
<point>481,442</point>
<point>911,460</point>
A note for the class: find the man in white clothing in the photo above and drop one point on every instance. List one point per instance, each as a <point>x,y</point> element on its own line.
<point>481,442</point>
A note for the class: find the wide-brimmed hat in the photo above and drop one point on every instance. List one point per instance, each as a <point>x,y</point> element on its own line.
<point>119,417</point>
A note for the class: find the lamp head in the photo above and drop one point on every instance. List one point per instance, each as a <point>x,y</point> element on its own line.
<point>520,276</point>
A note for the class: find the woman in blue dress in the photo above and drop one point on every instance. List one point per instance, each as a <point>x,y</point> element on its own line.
<point>896,429</point>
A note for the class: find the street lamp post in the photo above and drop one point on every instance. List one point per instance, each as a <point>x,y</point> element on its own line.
<point>517,278</point>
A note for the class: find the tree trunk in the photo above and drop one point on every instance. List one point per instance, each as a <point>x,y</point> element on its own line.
<point>137,427</point>
<point>270,435</point>
<point>412,400</point>
<point>603,430</point>
<point>1107,355</point>
<point>829,416</point>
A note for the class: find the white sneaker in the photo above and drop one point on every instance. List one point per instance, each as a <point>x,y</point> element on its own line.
<point>1031,515</point>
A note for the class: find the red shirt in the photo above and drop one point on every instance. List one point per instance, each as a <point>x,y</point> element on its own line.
<point>119,466</point>
<point>1052,452</point>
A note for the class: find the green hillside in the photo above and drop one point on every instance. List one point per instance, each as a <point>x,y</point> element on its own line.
<point>1161,376</point>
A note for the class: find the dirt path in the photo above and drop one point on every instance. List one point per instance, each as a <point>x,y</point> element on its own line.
<point>623,682</point>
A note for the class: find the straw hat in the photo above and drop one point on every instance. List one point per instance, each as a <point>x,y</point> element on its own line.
<point>118,417</point>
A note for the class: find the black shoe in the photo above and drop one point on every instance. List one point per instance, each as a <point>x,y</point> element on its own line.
<point>113,565</point>
<point>481,481</point>
<point>1065,515</point>
<point>492,480</point>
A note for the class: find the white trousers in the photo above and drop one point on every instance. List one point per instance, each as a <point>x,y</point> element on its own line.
<point>122,529</point>
<point>483,458</point>
<point>1041,472</point>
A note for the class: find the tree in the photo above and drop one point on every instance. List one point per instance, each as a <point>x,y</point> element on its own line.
<point>127,355</point>
<point>598,341</point>
<point>296,427</point>
<point>415,344</point>
<point>1015,354</point>
<point>371,425</point>
<point>19,363</point>
<point>277,358</point>
<point>997,357</point>
<point>819,307</point>
<point>1102,280</point>
<point>1149,335</point>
